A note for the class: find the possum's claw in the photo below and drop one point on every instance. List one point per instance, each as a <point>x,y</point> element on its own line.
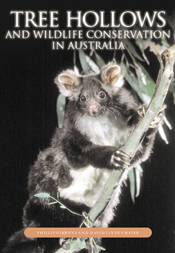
<point>162,108</point>
<point>156,120</point>
<point>120,160</point>
<point>142,110</point>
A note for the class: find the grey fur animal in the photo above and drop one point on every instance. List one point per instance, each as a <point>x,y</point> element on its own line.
<point>100,116</point>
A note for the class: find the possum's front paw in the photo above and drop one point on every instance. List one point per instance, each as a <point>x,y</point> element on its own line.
<point>142,110</point>
<point>156,120</point>
<point>120,160</point>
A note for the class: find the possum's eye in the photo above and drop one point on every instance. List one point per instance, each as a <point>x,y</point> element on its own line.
<point>102,95</point>
<point>82,98</point>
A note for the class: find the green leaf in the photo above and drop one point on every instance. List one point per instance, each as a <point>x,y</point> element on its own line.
<point>92,64</point>
<point>167,122</point>
<point>42,195</point>
<point>82,57</point>
<point>99,60</point>
<point>61,102</point>
<point>165,42</point>
<point>101,248</point>
<point>136,84</point>
<point>61,250</point>
<point>132,49</point>
<point>143,84</point>
<point>77,245</point>
<point>132,184</point>
<point>76,70</point>
<point>145,80</point>
<point>138,173</point>
<point>162,134</point>
<point>142,47</point>
<point>52,203</point>
<point>63,207</point>
<point>74,245</point>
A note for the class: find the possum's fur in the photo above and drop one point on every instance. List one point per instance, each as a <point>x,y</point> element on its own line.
<point>100,116</point>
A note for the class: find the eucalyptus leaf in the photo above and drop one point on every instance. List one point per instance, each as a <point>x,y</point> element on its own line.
<point>135,83</point>
<point>99,60</point>
<point>75,245</point>
<point>132,184</point>
<point>145,78</point>
<point>142,47</point>
<point>162,134</point>
<point>138,175</point>
<point>42,195</point>
<point>167,123</point>
<point>144,87</point>
<point>100,248</point>
<point>92,64</point>
<point>82,57</point>
<point>63,207</point>
<point>52,203</point>
<point>145,98</point>
<point>60,108</point>
<point>132,49</point>
<point>76,70</point>
<point>165,42</point>
<point>61,250</point>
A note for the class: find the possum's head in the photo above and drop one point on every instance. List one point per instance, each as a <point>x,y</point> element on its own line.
<point>92,93</point>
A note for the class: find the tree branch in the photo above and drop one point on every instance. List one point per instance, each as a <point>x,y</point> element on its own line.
<point>166,60</point>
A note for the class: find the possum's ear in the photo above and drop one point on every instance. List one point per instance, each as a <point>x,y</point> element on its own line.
<point>111,73</point>
<point>67,82</point>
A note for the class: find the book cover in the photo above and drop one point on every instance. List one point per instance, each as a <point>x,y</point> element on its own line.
<point>38,42</point>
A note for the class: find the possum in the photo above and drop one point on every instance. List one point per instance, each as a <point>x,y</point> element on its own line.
<point>100,116</point>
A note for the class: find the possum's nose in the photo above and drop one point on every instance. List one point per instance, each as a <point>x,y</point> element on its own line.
<point>93,108</point>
